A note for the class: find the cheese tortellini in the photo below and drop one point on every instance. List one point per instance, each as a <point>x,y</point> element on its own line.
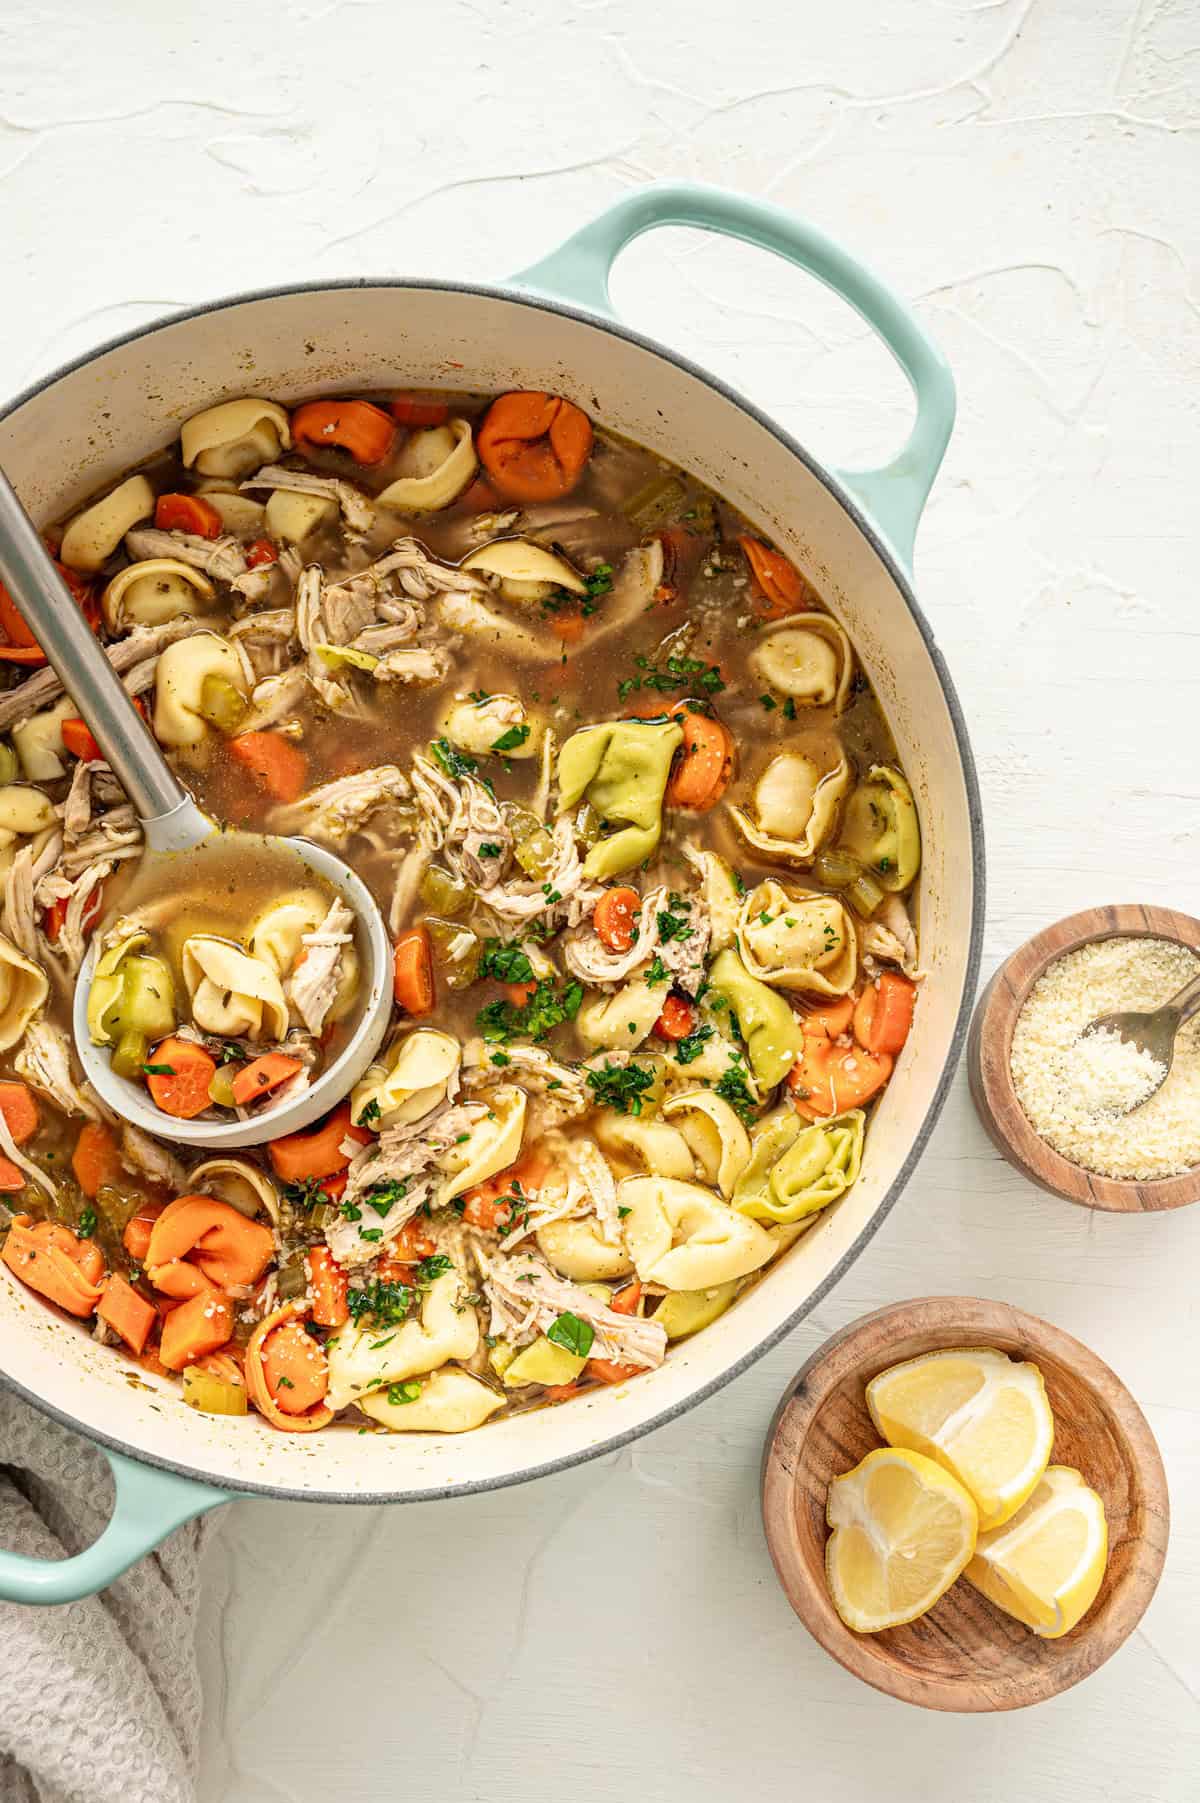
<point>38,742</point>
<point>524,571</point>
<point>154,591</point>
<point>795,1169</point>
<point>417,1076</point>
<point>183,669</point>
<point>880,827</point>
<point>435,466</point>
<point>447,1402</point>
<point>491,1145</point>
<point>622,1020</point>
<point>244,1185</point>
<point>361,1359</point>
<point>232,994</point>
<point>622,766</point>
<point>235,437</point>
<point>795,806</point>
<point>684,1238</point>
<point>578,1250</point>
<point>798,940</point>
<point>714,1135</point>
<point>496,726</point>
<point>25,813</point>
<point>807,657</point>
<point>24,987</point>
<point>93,535</point>
<point>647,1144</point>
<point>292,517</point>
<point>277,934</point>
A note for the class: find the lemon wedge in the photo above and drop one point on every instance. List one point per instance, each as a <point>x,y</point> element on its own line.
<point>984,1418</point>
<point>1046,1565</point>
<point>903,1530</point>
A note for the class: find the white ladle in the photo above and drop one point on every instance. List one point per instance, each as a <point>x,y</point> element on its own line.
<point>172,823</point>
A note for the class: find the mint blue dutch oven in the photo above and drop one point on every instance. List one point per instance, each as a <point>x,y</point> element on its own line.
<point>552,327</point>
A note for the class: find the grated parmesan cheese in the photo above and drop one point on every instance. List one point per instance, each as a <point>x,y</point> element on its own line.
<point>1075,1091</point>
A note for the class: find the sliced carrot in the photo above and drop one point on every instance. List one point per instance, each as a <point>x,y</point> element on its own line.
<point>411,1243</point>
<point>518,993</point>
<point>534,445</point>
<point>17,642</point>
<point>12,1177</point>
<point>418,410</point>
<point>884,1016</point>
<point>260,551</point>
<point>262,1075</point>
<point>77,737</point>
<point>329,1286</point>
<point>355,426</point>
<point>136,1238</point>
<point>294,1368</point>
<point>482,1205</point>
<point>225,1245</point>
<point>625,1302</point>
<point>317,1153</point>
<point>278,767</point>
<point>187,513</point>
<point>96,1159</point>
<point>18,1104</point>
<point>829,1079</point>
<point>55,1263</point>
<point>560,1392</point>
<point>782,588</point>
<point>55,916</point>
<point>609,1373</point>
<point>196,1328</point>
<point>567,623</point>
<point>830,1019</point>
<point>126,1312</point>
<point>615,916</point>
<point>703,763</point>
<point>412,972</point>
<point>676,1020</point>
<point>178,1077</point>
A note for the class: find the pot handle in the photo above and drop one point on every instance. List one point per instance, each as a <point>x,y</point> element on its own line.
<point>893,494</point>
<point>149,1505</point>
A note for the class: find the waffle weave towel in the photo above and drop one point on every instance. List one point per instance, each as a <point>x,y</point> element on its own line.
<point>99,1700</point>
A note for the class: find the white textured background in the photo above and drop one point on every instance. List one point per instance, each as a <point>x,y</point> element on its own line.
<point>1026,171</point>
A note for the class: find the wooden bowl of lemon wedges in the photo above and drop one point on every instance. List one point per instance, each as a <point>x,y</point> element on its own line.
<point>964,1505</point>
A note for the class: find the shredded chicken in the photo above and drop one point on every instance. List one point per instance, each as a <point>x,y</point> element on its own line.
<point>401,1168</point>
<point>526,1297</point>
<point>587,956</point>
<point>275,697</point>
<point>44,1060</point>
<point>144,642</point>
<point>20,908</point>
<point>334,812</point>
<point>147,1157</point>
<point>356,509</point>
<point>313,985</point>
<point>521,900</point>
<point>557,1092</point>
<point>888,937</point>
<point>420,576</point>
<point>221,558</point>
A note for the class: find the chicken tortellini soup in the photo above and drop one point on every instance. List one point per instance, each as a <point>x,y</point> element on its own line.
<point>645,850</point>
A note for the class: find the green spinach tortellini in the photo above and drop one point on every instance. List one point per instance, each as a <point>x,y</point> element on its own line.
<point>772,1034</point>
<point>795,1169</point>
<point>880,827</point>
<point>622,767</point>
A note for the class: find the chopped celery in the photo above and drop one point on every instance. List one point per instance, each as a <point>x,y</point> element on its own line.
<point>443,893</point>
<point>655,503</point>
<point>835,868</point>
<point>220,1090</point>
<point>587,824</point>
<point>292,1278</point>
<point>222,704</point>
<point>456,949</point>
<point>535,854</point>
<point>864,895</point>
<point>130,1054</point>
<point>213,1395</point>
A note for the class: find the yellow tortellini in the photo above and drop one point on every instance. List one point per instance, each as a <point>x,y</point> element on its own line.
<point>881,829</point>
<point>238,1181</point>
<point>620,1022</point>
<point>361,1359</point>
<point>683,1237</point>
<point>414,1078</point>
<point>720,894</point>
<point>447,1402</point>
<point>578,1250</point>
<point>808,658</point>
<point>38,742</point>
<point>497,725</point>
<point>772,1034</point>
<point>24,987</point>
<point>435,466</point>
<point>491,1145</point>
<point>649,1144</point>
<point>713,1134</point>
<point>796,1169</point>
<point>799,940</point>
<point>232,994</point>
<point>277,933</point>
<point>183,669</point>
<point>93,535</point>
<point>235,437</point>
<point>131,991</point>
<point>25,813</point>
<point>525,571</point>
<point>154,591</point>
<point>622,767</point>
<point>794,807</point>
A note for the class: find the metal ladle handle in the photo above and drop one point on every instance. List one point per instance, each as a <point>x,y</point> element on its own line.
<point>58,624</point>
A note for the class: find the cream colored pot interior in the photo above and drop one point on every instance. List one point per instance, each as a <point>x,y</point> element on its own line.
<point>91,424</point>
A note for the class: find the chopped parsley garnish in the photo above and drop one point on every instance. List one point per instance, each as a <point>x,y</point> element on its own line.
<point>509,741</point>
<point>369,1113</point>
<point>308,1193</point>
<point>382,1197</point>
<point>370,1233</point>
<point>384,1303</point>
<point>159,1070</point>
<point>548,1007</point>
<point>768,702</point>
<point>599,582</point>
<point>454,763</point>
<point>676,673</point>
<point>228,1051</point>
<point>436,1265</point>
<point>489,849</point>
<point>500,1059</point>
<point>620,1087</point>
<point>622,1212</point>
<point>735,1090</point>
<point>657,973</point>
<point>480,695</point>
<point>789,709</point>
<point>572,1334</point>
<point>506,963</point>
<point>739,882</point>
<point>673,926</point>
<point>405,1392</point>
<point>87,1223</point>
<point>690,1048</point>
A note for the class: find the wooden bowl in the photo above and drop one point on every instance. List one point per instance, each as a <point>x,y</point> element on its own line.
<point>989,1053</point>
<point>965,1654</point>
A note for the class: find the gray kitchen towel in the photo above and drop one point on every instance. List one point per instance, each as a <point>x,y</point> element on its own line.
<point>99,1700</point>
